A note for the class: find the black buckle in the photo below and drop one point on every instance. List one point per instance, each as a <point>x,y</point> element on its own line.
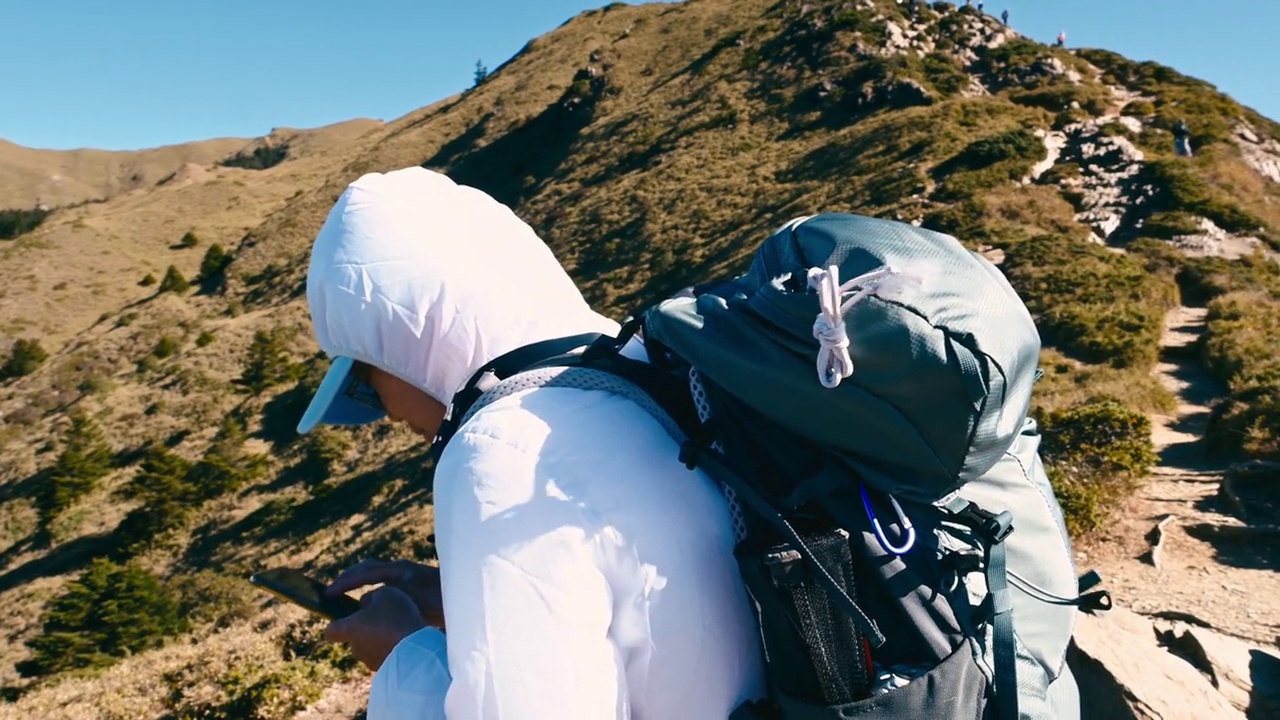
<point>995,527</point>
<point>1099,601</point>
<point>700,441</point>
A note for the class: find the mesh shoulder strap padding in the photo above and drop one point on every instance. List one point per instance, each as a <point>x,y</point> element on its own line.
<point>709,460</point>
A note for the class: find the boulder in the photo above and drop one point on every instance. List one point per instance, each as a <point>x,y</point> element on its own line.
<point>1123,673</point>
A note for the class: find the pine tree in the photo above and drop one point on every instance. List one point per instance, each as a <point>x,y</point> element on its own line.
<point>213,267</point>
<point>85,458</point>
<point>481,73</point>
<point>173,281</point>
<point>267,364</point>
<point>225,467</point>
<point>24,358</point>
<point>109,612</point>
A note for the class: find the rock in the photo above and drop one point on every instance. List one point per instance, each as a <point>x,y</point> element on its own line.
<point>1247,675</point>
<point>891,93</point>
<point>1123,673</point>
<point>1262,154</point>
<point>1053,67</point>
<point>1213,241</point>
<point>1112,196</point>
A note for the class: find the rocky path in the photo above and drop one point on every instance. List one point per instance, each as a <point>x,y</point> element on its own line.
<point>1187,570</point>
<point>1208,565</point>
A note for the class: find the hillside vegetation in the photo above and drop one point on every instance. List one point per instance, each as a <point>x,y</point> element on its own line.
<point>163,354</point>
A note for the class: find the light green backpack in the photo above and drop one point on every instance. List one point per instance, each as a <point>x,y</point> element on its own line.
<point>861,393</point>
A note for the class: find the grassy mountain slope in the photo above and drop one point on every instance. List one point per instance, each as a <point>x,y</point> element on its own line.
<point>650,145</point>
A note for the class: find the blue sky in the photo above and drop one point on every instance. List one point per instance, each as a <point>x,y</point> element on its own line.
<point>124,74</point>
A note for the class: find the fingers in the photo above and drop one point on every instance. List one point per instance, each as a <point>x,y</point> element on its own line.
<point>339,631</point>
<point>365,572</point>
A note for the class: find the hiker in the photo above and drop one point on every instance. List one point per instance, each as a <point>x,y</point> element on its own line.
<point>601,501</point>
<point>1004,17</point>
<point>584,571</point>
<point>1182,138</point>
<point>1062,38</point>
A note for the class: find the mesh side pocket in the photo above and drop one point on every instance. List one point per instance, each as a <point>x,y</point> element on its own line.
<point>813,650</point>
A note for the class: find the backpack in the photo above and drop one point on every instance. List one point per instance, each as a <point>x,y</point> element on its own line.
<point>861,395</point>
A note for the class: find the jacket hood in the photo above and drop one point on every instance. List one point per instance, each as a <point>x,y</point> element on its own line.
<point>428,280</point>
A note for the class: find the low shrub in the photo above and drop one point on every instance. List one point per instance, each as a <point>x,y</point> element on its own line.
<point>24,358</point>
<point>1095,453</point>
<point>1091,303</point>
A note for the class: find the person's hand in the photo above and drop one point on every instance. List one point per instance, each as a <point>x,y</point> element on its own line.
<point>386,616</point>
<point>420,582</point>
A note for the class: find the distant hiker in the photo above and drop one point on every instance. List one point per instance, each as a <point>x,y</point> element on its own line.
<point>1062,38</point>
<point>585,571</point>
<point>1004,17</point>
<point>981,3</point>
<point>1182,138</point>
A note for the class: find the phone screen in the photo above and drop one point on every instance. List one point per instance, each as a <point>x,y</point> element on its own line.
<point>297,588</point>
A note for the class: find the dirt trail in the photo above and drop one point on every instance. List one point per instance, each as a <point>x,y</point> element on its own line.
<point>1212,566</point>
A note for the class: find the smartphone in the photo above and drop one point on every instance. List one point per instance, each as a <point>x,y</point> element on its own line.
<point>295,587</point>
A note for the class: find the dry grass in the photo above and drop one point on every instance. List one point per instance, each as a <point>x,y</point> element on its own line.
<point>702,139</point>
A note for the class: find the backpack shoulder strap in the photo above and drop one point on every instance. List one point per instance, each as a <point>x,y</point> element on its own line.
<point>501,368</point>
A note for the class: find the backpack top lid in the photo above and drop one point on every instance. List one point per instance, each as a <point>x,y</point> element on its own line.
<point>943,351</point>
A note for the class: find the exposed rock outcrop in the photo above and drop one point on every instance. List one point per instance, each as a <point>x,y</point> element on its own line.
<point>1109,191</point>
<point>1262,154</point>
<point>1124,673</point>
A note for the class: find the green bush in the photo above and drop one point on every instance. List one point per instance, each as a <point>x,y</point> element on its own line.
<point>215,597</point>
<point>24,358</point>
<point>1139,108</point>
<point>147,280</point>
<point>268,363</point>
<point>167,499</point>
<point>225,466</point>
<point>1091,303</point>
<point>1168,225</point>
<point>1239,350</point>
<point>1061,172</point>
<point>205,339</point>
<point>1179,189</point>
<point>944,74</point>
<point>174,281</point>
<point>322,451</point>
<point>1095,453</point>
<point>1203,279</point>
<point>20,222</point>
<point>189,240</point>
<point>109,612</point>
<point>165,347</point>
<point>260,158</point>
<point>85,458</point>
<point>963,221</point>
<point>213,268</point>
<point>1057,97</point>
<point>1016,144</point>
<point>170,488</point>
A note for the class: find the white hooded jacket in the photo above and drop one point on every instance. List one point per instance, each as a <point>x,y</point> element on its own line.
<point>586,573</point>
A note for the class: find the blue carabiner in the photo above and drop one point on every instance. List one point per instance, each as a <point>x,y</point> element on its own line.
<point>908,531</point>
